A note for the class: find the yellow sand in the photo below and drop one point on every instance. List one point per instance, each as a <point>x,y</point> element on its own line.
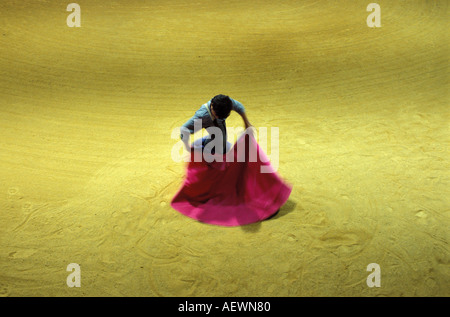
<point>86,174</point>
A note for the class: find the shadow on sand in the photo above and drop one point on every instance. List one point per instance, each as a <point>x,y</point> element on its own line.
<point>288,207</point>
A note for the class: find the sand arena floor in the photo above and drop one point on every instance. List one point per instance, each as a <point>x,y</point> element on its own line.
<point>86,173</point>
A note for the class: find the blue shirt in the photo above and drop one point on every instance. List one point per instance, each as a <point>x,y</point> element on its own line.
<point>206,118</point>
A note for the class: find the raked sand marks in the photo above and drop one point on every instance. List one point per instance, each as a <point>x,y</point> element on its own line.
<point>133,240</point>
<point>128,242</point>
<point>94,228</point>
<point>366,109</point>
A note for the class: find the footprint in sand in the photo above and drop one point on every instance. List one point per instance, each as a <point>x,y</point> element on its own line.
<point>291,238</point>
<point>346,242</point>
<point>337,238</point>
<point>422,217</point>
<point>27,207</point>
<point>12,191</point>
<point>21,254</point>
<point>421,214</point>
<point>13,194</point>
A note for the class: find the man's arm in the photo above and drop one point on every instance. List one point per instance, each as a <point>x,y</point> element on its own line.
<point>193,125</point>
<point>239,108</point>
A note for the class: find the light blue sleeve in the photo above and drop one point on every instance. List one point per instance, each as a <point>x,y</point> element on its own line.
<point>238,107</point>
<point>189,126</point>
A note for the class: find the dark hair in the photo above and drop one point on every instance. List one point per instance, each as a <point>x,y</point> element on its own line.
<point>222,106</point>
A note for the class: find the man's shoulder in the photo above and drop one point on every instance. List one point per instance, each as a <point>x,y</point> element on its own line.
<point>202,111</point>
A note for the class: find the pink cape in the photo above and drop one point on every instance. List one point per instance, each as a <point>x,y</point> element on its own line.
<point>233,192</point>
